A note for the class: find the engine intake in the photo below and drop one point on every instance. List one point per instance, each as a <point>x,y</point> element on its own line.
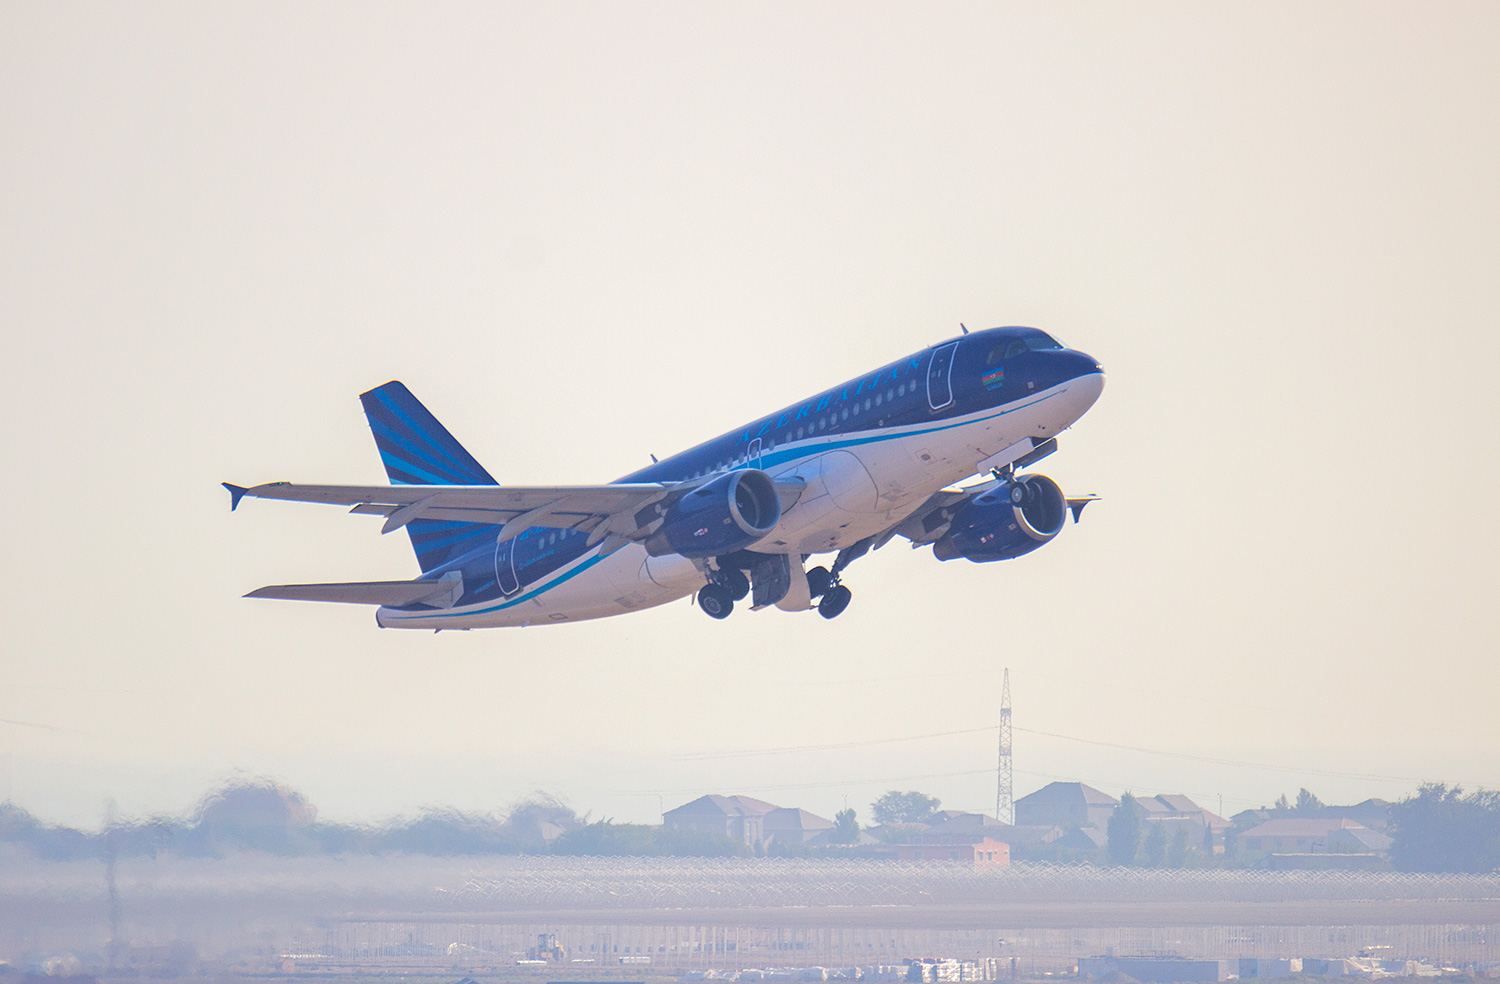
<point>1010,520</point>
<point>728,514</point>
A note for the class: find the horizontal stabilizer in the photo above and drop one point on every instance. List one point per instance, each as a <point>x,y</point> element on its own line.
<point>442,592</point>
<point>1077,503</point>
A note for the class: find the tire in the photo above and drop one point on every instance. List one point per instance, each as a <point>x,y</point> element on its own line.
<point>715,601</point>
<point>818,582</point>
<point>834,602</point>
<point>737,584</point>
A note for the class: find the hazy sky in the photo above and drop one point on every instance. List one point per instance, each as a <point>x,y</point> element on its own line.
<point>583,234</point>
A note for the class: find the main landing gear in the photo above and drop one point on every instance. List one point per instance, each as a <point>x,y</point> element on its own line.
<point>717,598</point>
<point>823,584</point>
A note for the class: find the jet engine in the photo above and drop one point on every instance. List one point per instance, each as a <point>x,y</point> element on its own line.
<point>728,514</point>
<point>1011,519</point>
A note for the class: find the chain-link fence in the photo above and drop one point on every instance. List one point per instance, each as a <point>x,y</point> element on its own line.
<point>522,883</point>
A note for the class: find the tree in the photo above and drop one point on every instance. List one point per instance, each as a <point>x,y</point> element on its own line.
<point>1177,852</point>
<point>907,807</point>
<point>845,827</point>
<point>1281,804</point>
<point>535,822</point>
<point>1156,846</point>
<point>1441,829</point>
<point>1124,832</point>
<point>1307,802</point>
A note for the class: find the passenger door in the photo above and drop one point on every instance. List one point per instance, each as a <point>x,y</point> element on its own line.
<point>939,373</point>
<point>505,568</point>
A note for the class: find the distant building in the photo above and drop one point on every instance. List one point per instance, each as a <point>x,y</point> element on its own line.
<point>1310,835</point>
<point>1355,840</point>
<point>959,827</point>
<point>1204,829</point>
<point>983,853</point>
<point>1026,842</point>
<point>1067,805</point>
<point>791,827</point>
<point>1080,842</point>
<point>1372,813</point>
<point>739,818</point>
<point>1151,970</point>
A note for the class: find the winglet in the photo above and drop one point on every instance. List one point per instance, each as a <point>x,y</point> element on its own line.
<point>236,493</point>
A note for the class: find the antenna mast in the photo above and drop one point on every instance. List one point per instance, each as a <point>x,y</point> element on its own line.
<point>1005,803</point>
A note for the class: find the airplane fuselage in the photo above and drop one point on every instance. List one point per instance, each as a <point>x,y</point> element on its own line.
<point>866,454</point>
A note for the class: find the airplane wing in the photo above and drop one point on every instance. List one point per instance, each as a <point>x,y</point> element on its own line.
<point>624,509</point>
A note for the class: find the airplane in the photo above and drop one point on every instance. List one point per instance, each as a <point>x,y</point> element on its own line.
<point>843,471</point>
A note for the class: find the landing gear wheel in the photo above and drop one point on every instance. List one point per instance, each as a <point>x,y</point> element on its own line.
<point>715,601</point>
<point>736,583</point>
<point>818,582</point>
<point>834,602</point>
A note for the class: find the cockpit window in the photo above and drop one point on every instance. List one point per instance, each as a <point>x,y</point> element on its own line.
<point>1039,342</point>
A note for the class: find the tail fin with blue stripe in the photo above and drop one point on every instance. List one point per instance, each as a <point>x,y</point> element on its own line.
<point>417,450</point>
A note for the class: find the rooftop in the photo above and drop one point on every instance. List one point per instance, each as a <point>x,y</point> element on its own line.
<point>1062,792</point>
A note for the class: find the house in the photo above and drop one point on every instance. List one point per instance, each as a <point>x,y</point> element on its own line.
<point>790,827</point>
<point>1066,805</point>
<point>1309,835</point>
<point>1359,840</point>
<point>957,826</point>
<point>985,852</point>
<point>739,818</point>
<point>1372,813</point>
<point>1080,842</point>
<point>1203,829</point>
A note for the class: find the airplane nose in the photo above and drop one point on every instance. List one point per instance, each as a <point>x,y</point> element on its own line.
<point>1086,377</point>
<point>1076,365</point>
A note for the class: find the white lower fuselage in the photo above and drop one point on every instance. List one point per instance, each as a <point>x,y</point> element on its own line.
<point>856,486</point>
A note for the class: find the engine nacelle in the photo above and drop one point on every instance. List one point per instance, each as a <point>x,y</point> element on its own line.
<point>725,515</point>
<point>1012,519</point>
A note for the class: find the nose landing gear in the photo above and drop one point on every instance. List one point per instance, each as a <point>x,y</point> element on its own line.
<point>834,601</point>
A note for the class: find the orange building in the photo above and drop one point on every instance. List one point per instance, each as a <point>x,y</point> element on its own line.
<point>983,853</point>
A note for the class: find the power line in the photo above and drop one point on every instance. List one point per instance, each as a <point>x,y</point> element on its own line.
<point>41,727</point>
<point>1304,770</point>
<point>832,746</point>
<point>1141,749</point>
<point>824,784</point>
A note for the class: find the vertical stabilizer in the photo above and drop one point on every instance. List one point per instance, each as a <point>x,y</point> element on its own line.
<point>418,450</point>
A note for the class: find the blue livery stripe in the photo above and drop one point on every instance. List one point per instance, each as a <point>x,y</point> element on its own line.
<point>468,467</point>
<point>518,599</point>
<point>384,436</point>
